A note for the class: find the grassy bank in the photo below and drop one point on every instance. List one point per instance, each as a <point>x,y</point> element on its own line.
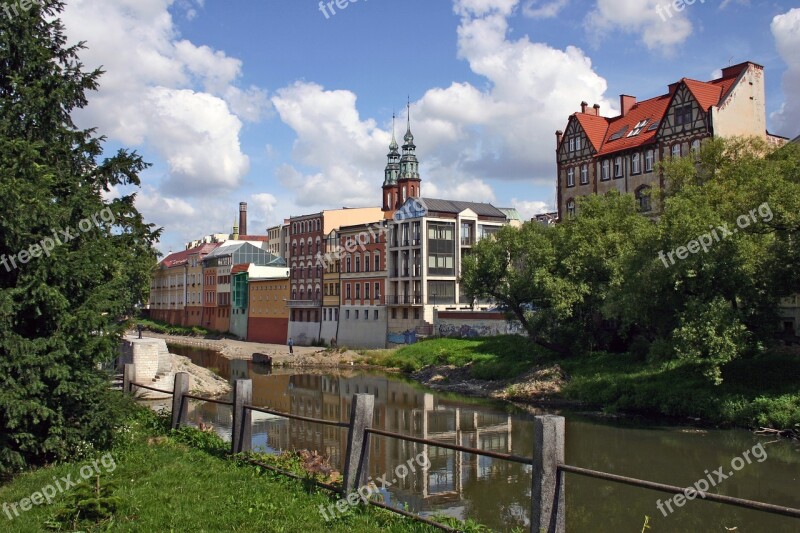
<point>164,328</point>
<point>182,481</point>
<point>761,391</point>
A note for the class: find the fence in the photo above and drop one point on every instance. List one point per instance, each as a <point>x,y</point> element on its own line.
<point>548,494</point>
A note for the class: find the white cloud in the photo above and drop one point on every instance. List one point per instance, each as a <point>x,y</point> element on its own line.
<point>786,30</point>
<point>542,9</point>
<point>170,95</point>
<point>659,25</point>
<point>527,209</point>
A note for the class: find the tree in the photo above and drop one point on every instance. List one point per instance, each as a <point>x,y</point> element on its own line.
<point>73,265</point>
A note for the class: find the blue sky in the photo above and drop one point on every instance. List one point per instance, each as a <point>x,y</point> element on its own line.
<point>273,103</point>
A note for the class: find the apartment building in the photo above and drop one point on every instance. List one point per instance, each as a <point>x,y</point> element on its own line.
<point>259,303</point>
<point>279,240</point>
<point>331,267</point>
<point>217,272</point>
<point>175,287</point>
<point>597,154</point>
<point>428,240</point>
<point>307,235</point>
<point>362,314</point>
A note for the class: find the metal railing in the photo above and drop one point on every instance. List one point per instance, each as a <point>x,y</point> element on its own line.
<point>548,494</point>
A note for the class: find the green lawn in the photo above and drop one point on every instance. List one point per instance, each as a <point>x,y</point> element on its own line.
<point>761,391</point>
<point>181,481</point>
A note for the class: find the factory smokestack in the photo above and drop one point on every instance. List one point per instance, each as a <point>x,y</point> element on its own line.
<point>242,218</point>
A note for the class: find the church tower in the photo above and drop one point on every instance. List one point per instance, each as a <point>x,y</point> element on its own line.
<point>391,175</point>
<point>408,184</point>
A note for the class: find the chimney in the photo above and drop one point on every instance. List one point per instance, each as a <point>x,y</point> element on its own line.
<point>559,136</point>
<point>584,106</point>
<point>243,218</point>
<point>626,103</point>
<point>596,108</point>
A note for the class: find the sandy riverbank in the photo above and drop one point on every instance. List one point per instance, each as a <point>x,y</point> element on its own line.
<point>233,349</point>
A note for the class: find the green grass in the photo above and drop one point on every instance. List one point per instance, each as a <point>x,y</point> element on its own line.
<point>182,481</point>
<point>498,357</point>
<point>760,391</point>
<point>157,326</point>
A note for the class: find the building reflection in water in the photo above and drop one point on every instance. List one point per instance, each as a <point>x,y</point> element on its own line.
<point>446,486</point>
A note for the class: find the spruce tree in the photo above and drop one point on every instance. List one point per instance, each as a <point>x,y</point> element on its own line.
<point>67,285</point>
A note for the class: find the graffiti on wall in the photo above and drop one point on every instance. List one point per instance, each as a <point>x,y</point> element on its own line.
<point>478,328</point>
<point>405,337</point>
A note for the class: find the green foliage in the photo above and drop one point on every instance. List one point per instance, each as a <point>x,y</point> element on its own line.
<point>87,504</point>
<point>700,280</point>
<point>157,326</point>
<point>61,312</point>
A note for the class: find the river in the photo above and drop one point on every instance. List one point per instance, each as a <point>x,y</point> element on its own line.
<point>496,493</point>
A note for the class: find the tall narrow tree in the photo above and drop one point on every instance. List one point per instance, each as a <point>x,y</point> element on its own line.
<point>73,264</point>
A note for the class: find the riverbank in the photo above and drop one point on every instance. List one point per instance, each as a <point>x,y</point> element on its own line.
<point>755,393</point>
<point>154,479</point>
<point>303,356</point>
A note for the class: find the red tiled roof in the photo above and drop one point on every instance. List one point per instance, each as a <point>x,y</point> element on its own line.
<point>595,128</point>
<point>257,238</point>
<point>180,258</point>
<point>652,110</point>
<point>600,130</point>
<point>241,267</point>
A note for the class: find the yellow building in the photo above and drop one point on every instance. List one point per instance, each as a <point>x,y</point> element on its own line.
<point>268,313</point>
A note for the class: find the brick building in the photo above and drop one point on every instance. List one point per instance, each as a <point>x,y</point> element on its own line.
<point>597,154</point>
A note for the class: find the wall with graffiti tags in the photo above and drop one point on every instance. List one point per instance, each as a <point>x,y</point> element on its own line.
<point>470,325</point>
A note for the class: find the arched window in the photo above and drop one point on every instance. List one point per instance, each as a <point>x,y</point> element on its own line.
<point>643,199</point>
<point>676,150</point>
<point>366,263</point>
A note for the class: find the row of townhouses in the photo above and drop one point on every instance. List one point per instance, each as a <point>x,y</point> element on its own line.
<point>382,276</point>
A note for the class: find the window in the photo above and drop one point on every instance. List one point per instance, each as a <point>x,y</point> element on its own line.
<point>366,314</point>
<point>377,290</point>
<point>570,208</point>
<point>676,150</point>
<point>405,313</point>
<point>347,314</point>
<point>606,172</point>
<point>618,167</point>
<point>348,263</point>
<point>416,313</point>
<point>358,263</point>
<point>366,263</point>
<point>683,114</point>
<point>584,174</point>
<point>648,161</point>
<point>394,312</point>
<point>356,314</point>
<point>636,164</point>
<point>376,314</point>
<point>347,291</point>
<point>643,198</point>
<point>366,291</point>
<point>696,146</point>
<point>377,262</point>
<point>571,177</point>
<point>638,128</point>
<point>358,291</point>
<point>572,144</point>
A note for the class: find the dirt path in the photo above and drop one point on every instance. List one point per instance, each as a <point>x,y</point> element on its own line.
<point>233,349</point>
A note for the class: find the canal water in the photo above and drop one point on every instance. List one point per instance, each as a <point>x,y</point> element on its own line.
<point>497,493</point>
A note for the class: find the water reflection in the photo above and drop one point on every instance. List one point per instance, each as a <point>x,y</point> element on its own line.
<point>497,493</point>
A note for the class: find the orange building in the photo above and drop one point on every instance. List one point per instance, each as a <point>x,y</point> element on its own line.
<point>268,313</point>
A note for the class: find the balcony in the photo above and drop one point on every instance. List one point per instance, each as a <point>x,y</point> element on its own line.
<point>304,304</point>
<point>403,299</point>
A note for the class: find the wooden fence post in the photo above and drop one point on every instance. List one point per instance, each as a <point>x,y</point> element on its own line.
<point>242,427</point>
<point>128,377</point>
<point>548,508</point>
<point>180,406</point>
<point>356,464</point>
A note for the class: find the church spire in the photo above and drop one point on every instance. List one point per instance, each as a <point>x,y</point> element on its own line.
<point>392,171</point>
<point>409,166</point>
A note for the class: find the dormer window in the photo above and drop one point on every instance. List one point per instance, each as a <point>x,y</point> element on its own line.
<point>638,128</point>
<point>572,144</point>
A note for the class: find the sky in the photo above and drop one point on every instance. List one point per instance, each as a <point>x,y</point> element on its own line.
<point>288,106</point>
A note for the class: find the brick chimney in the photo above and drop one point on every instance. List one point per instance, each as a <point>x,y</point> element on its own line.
<point>584,107</point>
<point>242,218</point>
<point>626,103</point>
<point>596,108</point>
<point>559,136</point>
